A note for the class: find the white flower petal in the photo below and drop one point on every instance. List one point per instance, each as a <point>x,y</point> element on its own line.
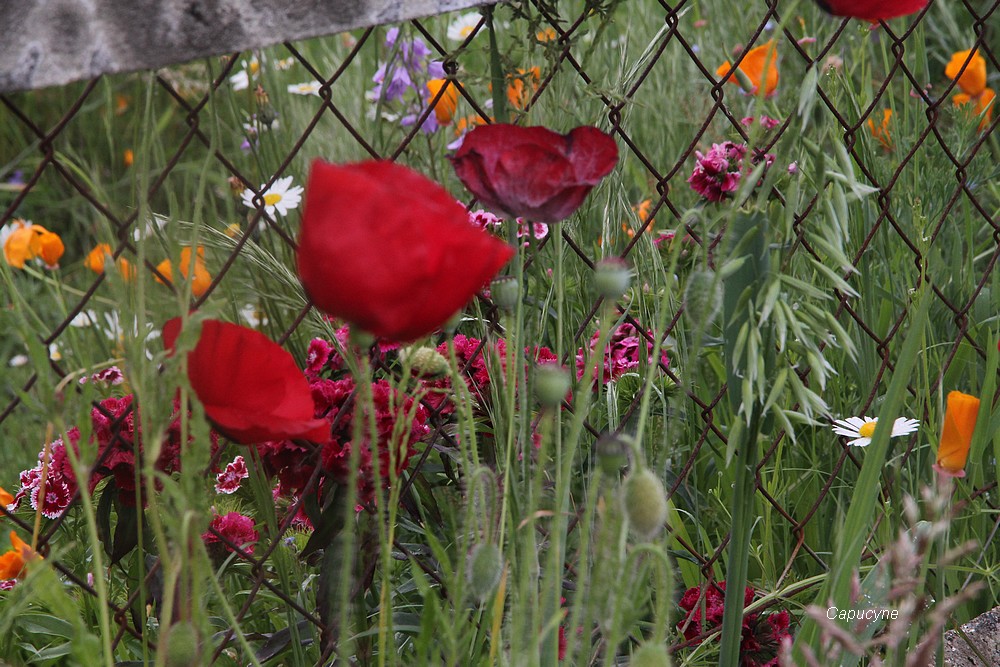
<point>860,442</point>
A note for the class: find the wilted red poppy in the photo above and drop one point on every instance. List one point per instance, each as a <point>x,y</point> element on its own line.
<point>872,10</point>
<point>390,251</point>
<point>533,172</point>
<point>251,388</point>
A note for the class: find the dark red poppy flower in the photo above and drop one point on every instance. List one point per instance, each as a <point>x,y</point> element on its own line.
<point>533,172</point>
<point>390,251</point>
<point>251,388</point>
<point>872,10</point>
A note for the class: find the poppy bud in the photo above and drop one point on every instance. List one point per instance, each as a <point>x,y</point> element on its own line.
<point>612,277</point>
<point>651,655</point>
<point>645,503</point>
<point>612,453</point>
<point>485,568</point>
<point>552,383</point>
<point>182,645</point>
<point>425,362</point>
<point>505,292</point>
<point>703,298</point>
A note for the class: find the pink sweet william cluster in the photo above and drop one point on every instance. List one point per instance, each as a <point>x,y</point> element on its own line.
<point>622,353</point>
<point>227,529</point>
<point>119,440</point>
<point>293,461</point>
<point>718,172</point>
<point>762,633</point>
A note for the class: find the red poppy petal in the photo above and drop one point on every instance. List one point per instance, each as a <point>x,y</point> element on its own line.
<point>872,10</point>
<point>250,386</point>
<point>389,250</point>
<point>593,154</point>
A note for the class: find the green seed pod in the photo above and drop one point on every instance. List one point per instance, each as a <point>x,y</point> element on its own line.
<point>182,645</point>
<point>426,362</point>
<point>645,503</point>
<point>651,655</point>
<point>612,276</point>
<point>485,568</point>
<point>702,298</point>
<point>612,453</point>
<point>505,292</point>
<point>552,383</point>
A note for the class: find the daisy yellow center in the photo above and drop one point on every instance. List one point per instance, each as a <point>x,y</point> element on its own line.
<point>272,198</point>
<point>867,429</point>
<point>464,32</point>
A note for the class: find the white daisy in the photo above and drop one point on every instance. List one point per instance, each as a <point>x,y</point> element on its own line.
<point>253,317</point>
<point>463,26</point>
<point>861,429</point>
<point>241,80</point>
<point>18,360</point>
<point>279,197</point>
<point>305,88</point>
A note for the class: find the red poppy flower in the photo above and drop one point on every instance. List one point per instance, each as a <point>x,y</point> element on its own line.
<point>251,388</point>
<point>872,10</point>
<point>390,251</point>
<point>533,172</point>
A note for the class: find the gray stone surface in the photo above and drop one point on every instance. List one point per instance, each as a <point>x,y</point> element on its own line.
<point>982,631</point>
<point>53,42</point>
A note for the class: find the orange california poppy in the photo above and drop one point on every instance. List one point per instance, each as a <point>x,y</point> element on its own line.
<point>128,157</point>
<point>956,436</point>
<point>5,497</point>
<point>13,561</point>
<point>973,80</point>
<point>96,258</point>
<point>546,34</point>
<point>981,105</point>
<point>202,279</point>
<point>444,108</point>
<point>517,93</point>
<point>29,241</point>
<point>881,132</point>
<point>759,67</point>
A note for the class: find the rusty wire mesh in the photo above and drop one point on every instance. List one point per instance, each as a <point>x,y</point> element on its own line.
<point>666,175</point>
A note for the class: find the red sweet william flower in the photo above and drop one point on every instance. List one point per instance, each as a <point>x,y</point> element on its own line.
<point>251,388</point>
<point>533,172</point>
<point>872,10</point>
<point>389,250</point>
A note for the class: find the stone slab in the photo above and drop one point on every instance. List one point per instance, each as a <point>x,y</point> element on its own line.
<point>54,42</point>
<point>984,632</point>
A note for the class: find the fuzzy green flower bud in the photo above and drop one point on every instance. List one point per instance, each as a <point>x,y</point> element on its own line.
<point>485,568</point>
<point>645,503</point>
<point>703,298</point>
<point>182,645</point>
<point>651,655</point>
<point>612,276</point>
<point>612,453</point>
<point>505,292</point>
<point>425,361</point>
<point>552,383</point>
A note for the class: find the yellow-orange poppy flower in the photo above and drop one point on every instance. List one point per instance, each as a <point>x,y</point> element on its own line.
<point>981,105</point>
<point>96,258</point>
<point>641,210</point>
<point>956,436</point>
<point>28,242</point>
<point>128,157</point>
<point>518,94</point>
<point>201,280</point>
<point>444,108</point>
<point>12,562</point>
<point>466,123</point>
<point>881,132</point>
<point>5,497</point>
<point>546,34</point>
<point>759,68</point>
<point>973,80</point>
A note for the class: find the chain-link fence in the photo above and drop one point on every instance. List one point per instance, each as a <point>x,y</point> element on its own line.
<point>928,139</point>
